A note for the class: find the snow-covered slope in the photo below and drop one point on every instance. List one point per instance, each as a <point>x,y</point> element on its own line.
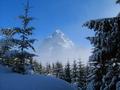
<point>13,81</point>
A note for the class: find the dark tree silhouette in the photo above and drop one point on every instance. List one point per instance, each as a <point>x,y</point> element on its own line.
<point>106,54</point>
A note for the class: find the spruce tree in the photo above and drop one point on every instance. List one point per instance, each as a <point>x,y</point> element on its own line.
<point>81,75</point>
<point>67,73</point>
<point>24,42</point>
<point>6,45</point>
<point>37,67</point>
<point>53,69</point>
<point>74,72</point>
<point>106,54</point>
<point>48,70</point>
<point>59,70</point>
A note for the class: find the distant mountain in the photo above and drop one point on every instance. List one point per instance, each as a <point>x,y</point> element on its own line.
<point>58,47</point>
<point>57,40</point>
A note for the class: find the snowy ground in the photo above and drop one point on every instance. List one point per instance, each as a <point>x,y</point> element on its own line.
<point>13,81</point>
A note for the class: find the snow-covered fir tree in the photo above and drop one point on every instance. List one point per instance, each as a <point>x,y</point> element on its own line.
<point>6,45</point>
<point>81,75</point>
<point>58,71</point>
<point>106,54</point>
<point>48,69</point>
<point>67,72</point>
<point>24,42</point>
<point>38,67</point>
<point>74,72</point>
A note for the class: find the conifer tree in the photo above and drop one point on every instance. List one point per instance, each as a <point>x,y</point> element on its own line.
<point>81,75</point>
<point>106,54</point>
<point>67,73</point>
<point>59,70</point>
<point>74,72</point>
<point>48,69</point>
<point>53,69</point>
<point>24,42</point>
<point>6,45</point>
<point>37,67</point>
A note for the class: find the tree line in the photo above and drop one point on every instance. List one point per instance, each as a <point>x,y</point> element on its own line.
<point>74,73</point>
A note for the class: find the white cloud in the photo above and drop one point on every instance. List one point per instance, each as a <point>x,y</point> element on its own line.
<point>63,55</point>
<point>58,47</point>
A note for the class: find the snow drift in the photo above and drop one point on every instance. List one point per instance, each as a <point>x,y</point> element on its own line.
<point>13,81</point>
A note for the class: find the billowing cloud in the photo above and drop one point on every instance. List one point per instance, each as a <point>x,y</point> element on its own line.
<point>58,47</point>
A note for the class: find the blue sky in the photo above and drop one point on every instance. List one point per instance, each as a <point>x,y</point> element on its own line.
<point>67,15</point>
